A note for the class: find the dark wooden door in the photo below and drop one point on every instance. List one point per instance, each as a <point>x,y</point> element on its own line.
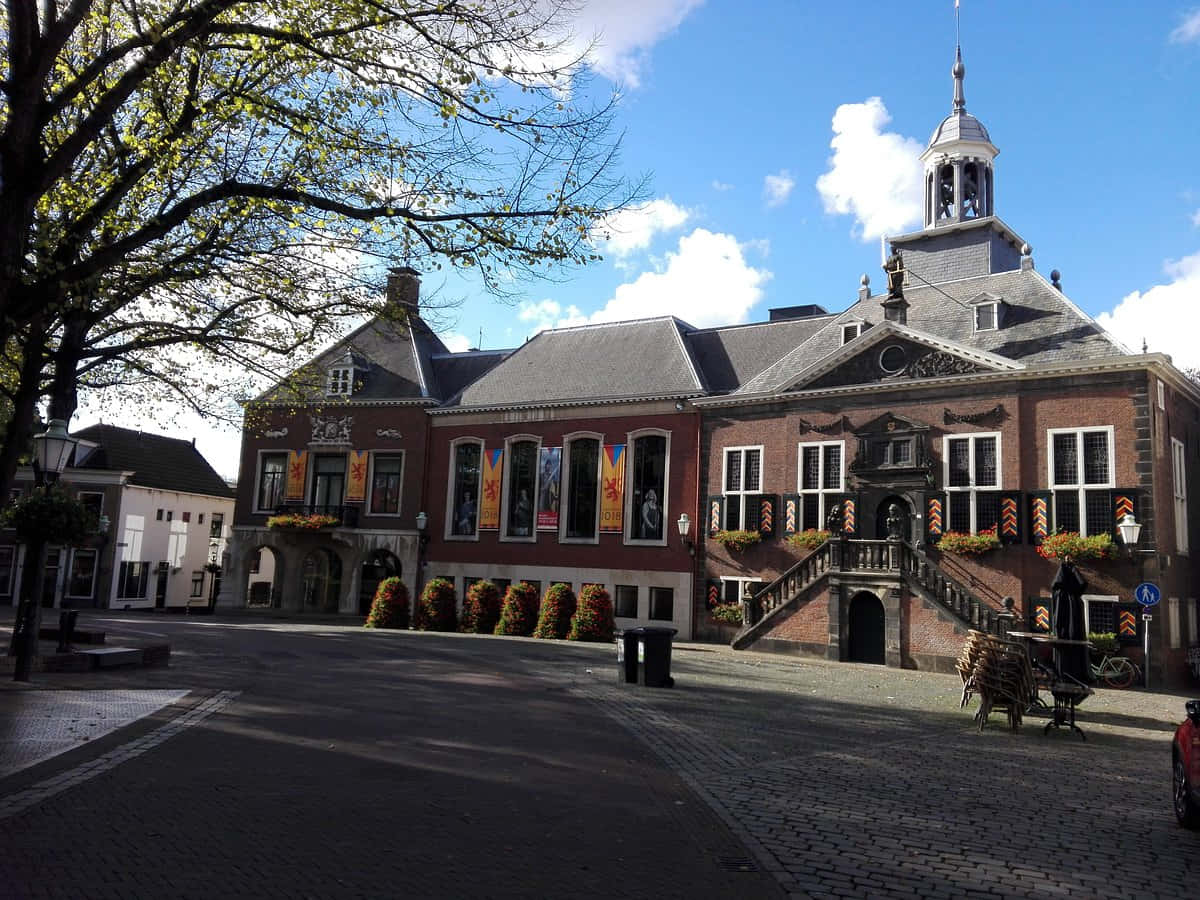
<point>866,629</point>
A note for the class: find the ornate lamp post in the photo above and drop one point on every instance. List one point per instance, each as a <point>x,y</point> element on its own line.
<point>51,451</point>
<point>685,526</point>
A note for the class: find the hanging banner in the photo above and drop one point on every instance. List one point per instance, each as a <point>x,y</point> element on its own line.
<point>296,470</point>
<point>612,481</point>
<point>489,501</point>
<point>550,472</point>
<point>356,483</point>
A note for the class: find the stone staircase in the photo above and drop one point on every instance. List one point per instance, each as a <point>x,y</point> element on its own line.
<point>847,558</point>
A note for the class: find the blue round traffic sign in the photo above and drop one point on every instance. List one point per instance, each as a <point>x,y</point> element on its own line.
<point>1147,594</point>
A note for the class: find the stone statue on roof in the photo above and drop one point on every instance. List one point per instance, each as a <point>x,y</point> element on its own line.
<point>894,267</point>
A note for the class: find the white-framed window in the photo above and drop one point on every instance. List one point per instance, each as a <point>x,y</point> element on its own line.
<point>986,317</point>
<point>386,478</point>
<point>81,580</point>
<point>742,479</point>
<point>197,583</point>
<point>820,474</point>
<point>1162,395</point>
<point>1179,488</point>
<point>216,525</point>
<point>518,506</point>
<point>462,491</point>
<point>1081,468</point>
<point>131,580</point>
<point>327,480</point>
<point>851,330</point>
<point>646,478</point>
<point>271,479</point>
<point>8,556</point>
<point>733,589</point>
<point>971,474</point>
<point>341,381</point>
<point>1100,613</point>
<point>1173,630</point>
<point>580,504</point>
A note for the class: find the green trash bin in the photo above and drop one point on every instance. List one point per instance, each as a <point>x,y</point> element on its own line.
<point>644,656</point>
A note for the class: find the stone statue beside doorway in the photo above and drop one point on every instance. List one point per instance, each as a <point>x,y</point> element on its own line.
<point>895,522</point>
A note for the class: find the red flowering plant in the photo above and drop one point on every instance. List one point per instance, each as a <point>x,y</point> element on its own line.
<point>302,521</point>
<point>727,613</point>
<point>966,544</point>
<point>1071,543</point>
<point>558,605</point>
<point>436,611</point>
<point>390,606</point>
<point>737,540</point>
<point>808,539</point>
<point>518,616</point>
<point>481,608</point>
<point>593,620</point>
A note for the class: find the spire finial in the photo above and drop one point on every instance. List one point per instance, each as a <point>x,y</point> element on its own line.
<point>959,70</point>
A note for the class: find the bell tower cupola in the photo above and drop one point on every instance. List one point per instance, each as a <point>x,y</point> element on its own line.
<point>959,164</point>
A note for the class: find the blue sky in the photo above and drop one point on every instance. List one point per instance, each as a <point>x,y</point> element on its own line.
<point>781,140</point>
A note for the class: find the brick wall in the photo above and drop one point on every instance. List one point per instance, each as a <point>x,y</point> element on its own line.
<point>926,635</point>
<point>809,624</point>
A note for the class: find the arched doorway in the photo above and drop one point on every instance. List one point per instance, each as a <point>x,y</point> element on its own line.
<point>883,510</point>
<point>263,573</point>
<point>379,565</point>
<point>866,642</point>
<point>321,578</point>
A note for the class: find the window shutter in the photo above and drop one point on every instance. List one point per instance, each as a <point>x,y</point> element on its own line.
<point>1124,500</point>
<point>714,597</point>
<point>1010,517</point>
<point>768,507</point>
<point>935,516</point>
<point>1039,516</point>
<point>1128,616</point>
<point>790,513</point>
<point>716,513</point>
<point>1039,613</point>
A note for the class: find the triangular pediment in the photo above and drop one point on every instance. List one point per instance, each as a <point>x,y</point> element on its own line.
<point>891,353</point>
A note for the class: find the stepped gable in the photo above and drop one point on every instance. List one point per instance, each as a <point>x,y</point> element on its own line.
<point>730,356</point>
<point>1040,325</point>
<point>392,356</point>
<point>641,359</point>
<point>168,464</point>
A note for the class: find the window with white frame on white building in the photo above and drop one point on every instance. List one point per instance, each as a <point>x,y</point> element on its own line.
<point>198,583</point>
<point>972,477</point>
<point>743,477</point>
<point>131,580</point>
<point>1179,487</point>
<point>821,474</point>
<point>1081,474</point>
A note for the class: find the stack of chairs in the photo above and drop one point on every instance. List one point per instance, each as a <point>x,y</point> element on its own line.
<point>1000,673</point>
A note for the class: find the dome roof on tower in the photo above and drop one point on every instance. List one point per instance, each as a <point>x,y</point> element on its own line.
<point>959,126</point>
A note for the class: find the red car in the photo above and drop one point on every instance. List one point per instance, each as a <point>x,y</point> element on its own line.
<point>1185,757</point>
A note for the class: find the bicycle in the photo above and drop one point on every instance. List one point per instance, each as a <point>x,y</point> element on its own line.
<point>1116,671</point>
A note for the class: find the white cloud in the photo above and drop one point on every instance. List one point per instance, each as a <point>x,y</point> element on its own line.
<point>1188,30</point>
<point>777,188</point>
<point>625,31</point>
<point>873,174</point>
<point>721,186</point>
<point>455,342</point>
<point>1196,218</point>
<point>1166,317</point>
<point>633,229</point>
<point>705,281</point>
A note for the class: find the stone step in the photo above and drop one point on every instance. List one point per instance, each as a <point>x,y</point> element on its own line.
<point>111,657</point>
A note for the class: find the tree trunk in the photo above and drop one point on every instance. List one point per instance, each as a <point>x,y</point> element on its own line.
<point>25,398</point>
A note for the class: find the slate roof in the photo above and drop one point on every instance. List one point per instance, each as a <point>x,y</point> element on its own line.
<point>959,126</point>
<point>454,371</point>
<point>395,355</point>
<point>612,361</point>
<point>169,464</point>
<point>731,356</point>
<point>1040,325</point>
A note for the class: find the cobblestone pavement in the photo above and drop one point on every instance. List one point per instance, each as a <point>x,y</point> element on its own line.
<point>401,764</point>
<point>852,780</point>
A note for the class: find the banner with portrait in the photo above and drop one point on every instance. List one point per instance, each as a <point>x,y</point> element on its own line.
<point>549,480</point>
<point>296,471</point>
<point>612,488</point>
<point>356,480</point>
<point>489,500</point>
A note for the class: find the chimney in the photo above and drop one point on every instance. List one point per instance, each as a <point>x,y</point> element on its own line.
<point>404,289</point>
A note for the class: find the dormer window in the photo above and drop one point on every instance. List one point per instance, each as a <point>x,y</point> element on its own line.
<point>989,312</point>
<point>850,331</point>
<point>341,378</point>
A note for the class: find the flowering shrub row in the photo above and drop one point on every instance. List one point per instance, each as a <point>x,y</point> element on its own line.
<point>389,609</point>
<point>436,610</point>
<point>593,620</point>
<point>481,609</point>
<point>558,606</point>
<point>728,613</point>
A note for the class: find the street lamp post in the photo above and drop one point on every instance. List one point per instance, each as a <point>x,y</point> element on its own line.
<point>1130,530</point>
<point>51,451</point>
